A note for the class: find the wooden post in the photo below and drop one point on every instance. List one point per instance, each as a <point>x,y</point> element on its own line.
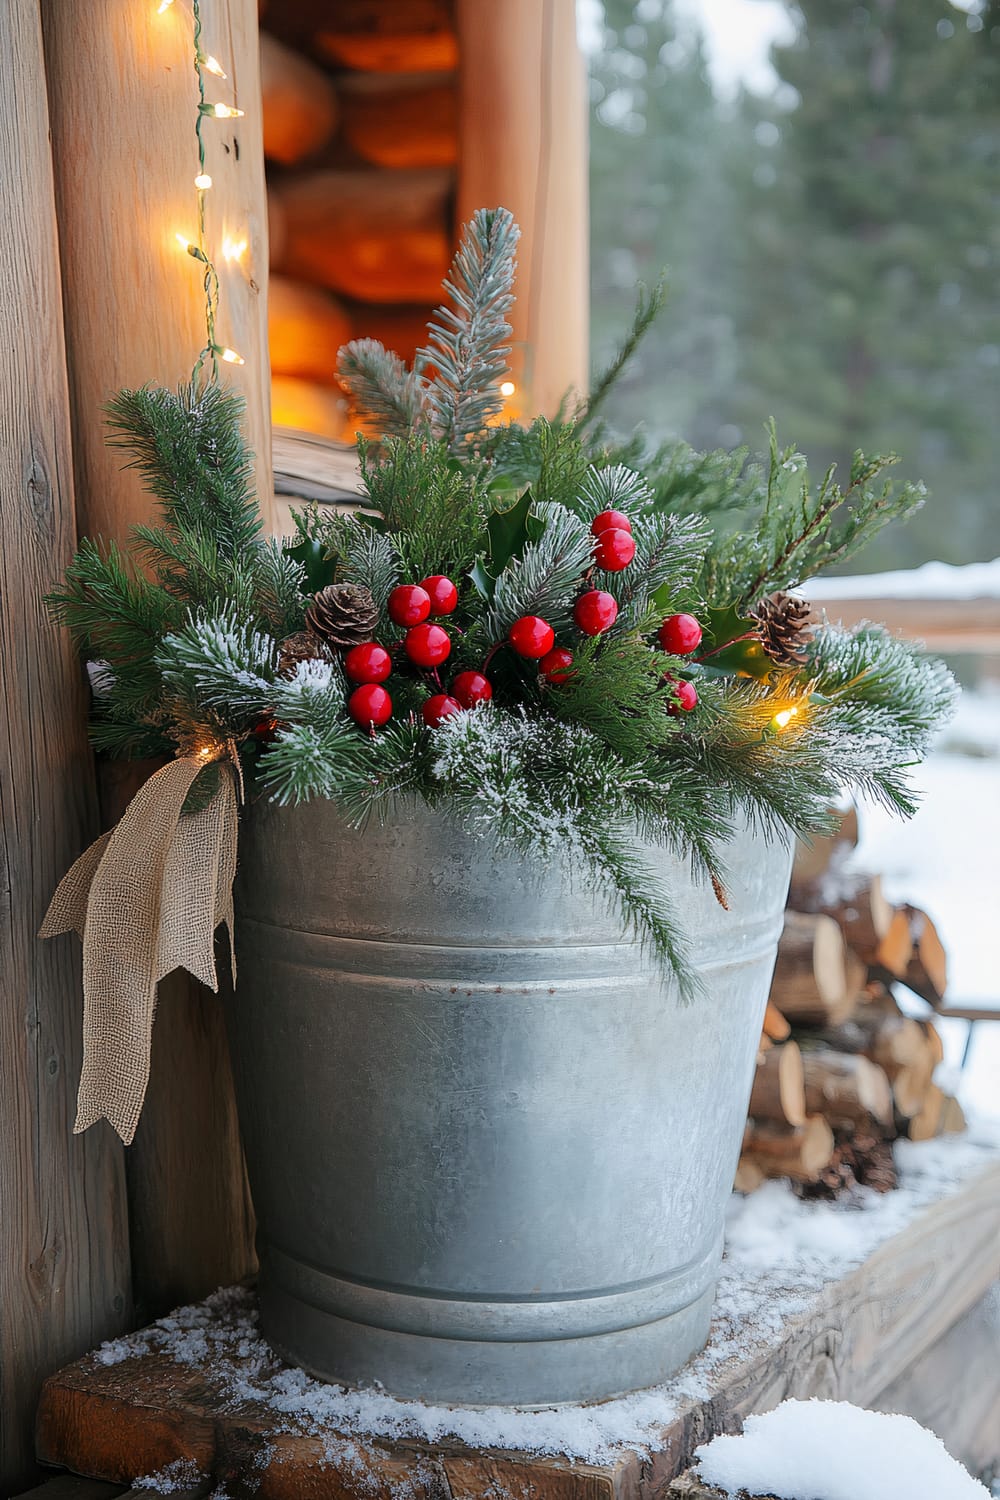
<point>523,146</point>
<point>123,96</point>
<point>64,1274</point>
<point>123,99</point>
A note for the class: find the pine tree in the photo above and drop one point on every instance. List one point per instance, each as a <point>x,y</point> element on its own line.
<point>868,312</point>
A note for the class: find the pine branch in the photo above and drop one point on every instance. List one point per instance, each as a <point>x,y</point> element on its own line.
<point>468,343</point>
<point>649,304</point>
<point>383,392</point>
<point>189,448</point>
<point>545,578</point>
<point>363,556</point>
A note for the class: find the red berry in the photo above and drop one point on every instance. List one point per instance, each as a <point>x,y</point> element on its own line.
<point>435,710</point>
<point>427,645</point>
<point>684,695</point>
<point>369,704</point>
<point>595,611</point>
<point>680,635</point>
<point>615,549</point>
<point>368,663</point>
<point>409,604</point>
<point>531,636</point>
<point>471,688</point>
<point>608,520</point>
<point>442,593</point>
<point>553,667</point>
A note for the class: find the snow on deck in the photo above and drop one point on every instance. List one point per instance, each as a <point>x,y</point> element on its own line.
<point>934,580</point>
<point>780,1254</point>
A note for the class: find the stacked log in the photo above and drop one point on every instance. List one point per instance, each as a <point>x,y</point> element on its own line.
<point>842,1070</point>
<point>361,105</point>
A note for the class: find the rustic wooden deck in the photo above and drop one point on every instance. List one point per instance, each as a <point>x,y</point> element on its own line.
<point>913,1328</point>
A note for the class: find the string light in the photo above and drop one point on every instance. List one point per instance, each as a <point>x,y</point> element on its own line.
<point>232,249</point>
<point>784,717</point>
<point>507,388</point>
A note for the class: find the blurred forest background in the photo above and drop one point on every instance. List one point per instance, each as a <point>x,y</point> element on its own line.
<point>832,242</point>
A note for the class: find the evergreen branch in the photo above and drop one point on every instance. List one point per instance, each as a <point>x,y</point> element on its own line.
<point>468,343</point>
<point>383,392</point>
<point>545,578</point>
<point>649,305</point>
<point>363,556</point>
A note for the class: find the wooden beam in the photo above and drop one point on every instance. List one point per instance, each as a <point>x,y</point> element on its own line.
<point>123,98</point>
<point>64,1278</point>
<point>523,146</point>
<point>955,625</point>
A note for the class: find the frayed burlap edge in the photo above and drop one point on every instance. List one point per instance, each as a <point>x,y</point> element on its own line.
<point>146,898</point>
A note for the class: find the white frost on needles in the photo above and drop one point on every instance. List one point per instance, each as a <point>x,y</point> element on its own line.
<point>830,1450</point>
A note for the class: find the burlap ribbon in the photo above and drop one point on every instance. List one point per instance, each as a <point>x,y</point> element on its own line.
<point>146,898</point>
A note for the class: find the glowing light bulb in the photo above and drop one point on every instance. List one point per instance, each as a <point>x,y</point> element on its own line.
<point>203,752</point>
<point>203,182</point>
<point>785,717</point>
<point>233,249</point>
<point>164,5</point>
<point>212,65</point>
<point>507,388</point>
<point>225,111</point>
<point>231,357</point>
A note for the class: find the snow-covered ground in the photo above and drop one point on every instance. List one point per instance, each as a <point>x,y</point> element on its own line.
<point>947,861</point>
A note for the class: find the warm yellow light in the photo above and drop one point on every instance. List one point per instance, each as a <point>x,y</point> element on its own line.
<point>231,357</point>
<point>226,112</point>
<point>163,5</point>
<point>507,388</point>
<point>785,717</point>
<point>204,751</point>
<point>185,243</point>
<point>233,249</point>
<point>212,65</point>
<point>203,182</point>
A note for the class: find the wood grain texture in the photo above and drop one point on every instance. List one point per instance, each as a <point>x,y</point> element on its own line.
<point>123,97</point>
<point>937,1391</point>
<point>850,1342</point>
<point>64,1281</point>
<point>523,146</point>
<point>942,624</point>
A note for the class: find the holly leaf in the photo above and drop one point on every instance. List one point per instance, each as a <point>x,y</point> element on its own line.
<point>722,625</point>
<point>319,569</point>
<point>725,649</point>
<point>509,532</point>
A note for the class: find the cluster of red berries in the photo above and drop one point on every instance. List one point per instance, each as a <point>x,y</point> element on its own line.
<point>428,645</point>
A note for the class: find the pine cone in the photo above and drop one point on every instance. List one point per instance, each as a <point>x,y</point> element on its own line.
<point>783,628</point>
<point>343,614</point>
<point>303,646</point>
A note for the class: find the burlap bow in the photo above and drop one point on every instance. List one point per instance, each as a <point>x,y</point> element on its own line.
<point>146,898</point>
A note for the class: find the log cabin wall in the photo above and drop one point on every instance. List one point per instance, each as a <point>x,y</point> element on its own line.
<point>386,123</point>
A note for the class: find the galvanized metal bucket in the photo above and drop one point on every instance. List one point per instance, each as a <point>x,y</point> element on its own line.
<point>489,1147</point>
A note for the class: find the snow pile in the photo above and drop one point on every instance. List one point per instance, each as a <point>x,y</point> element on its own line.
<point>830,1450</point>
<point>780,1255</point>
<point>934,580</point>
<point>182,1474</point>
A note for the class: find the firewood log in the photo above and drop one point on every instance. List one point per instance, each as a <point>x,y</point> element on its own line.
<point>402,329</point>
<point>911,1085</point>
<point>387,36</point>
<point>400,122</point>
<point>848,1090</point>
<point>749,1176</point>
<point>813,860</point>
<point>810,984</point>
<point>310,407</point>
<point>305,327</point>
<point>862,912</point>
<point>926,973</point>
<point>800,1154</point>
<point>377,236</point>
<point>778,1088</point>
<point>775,1025</point>
<point>926,1122</point>
<point>299,107</point>
<point>953,1120</point>
<point>895,947</point>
